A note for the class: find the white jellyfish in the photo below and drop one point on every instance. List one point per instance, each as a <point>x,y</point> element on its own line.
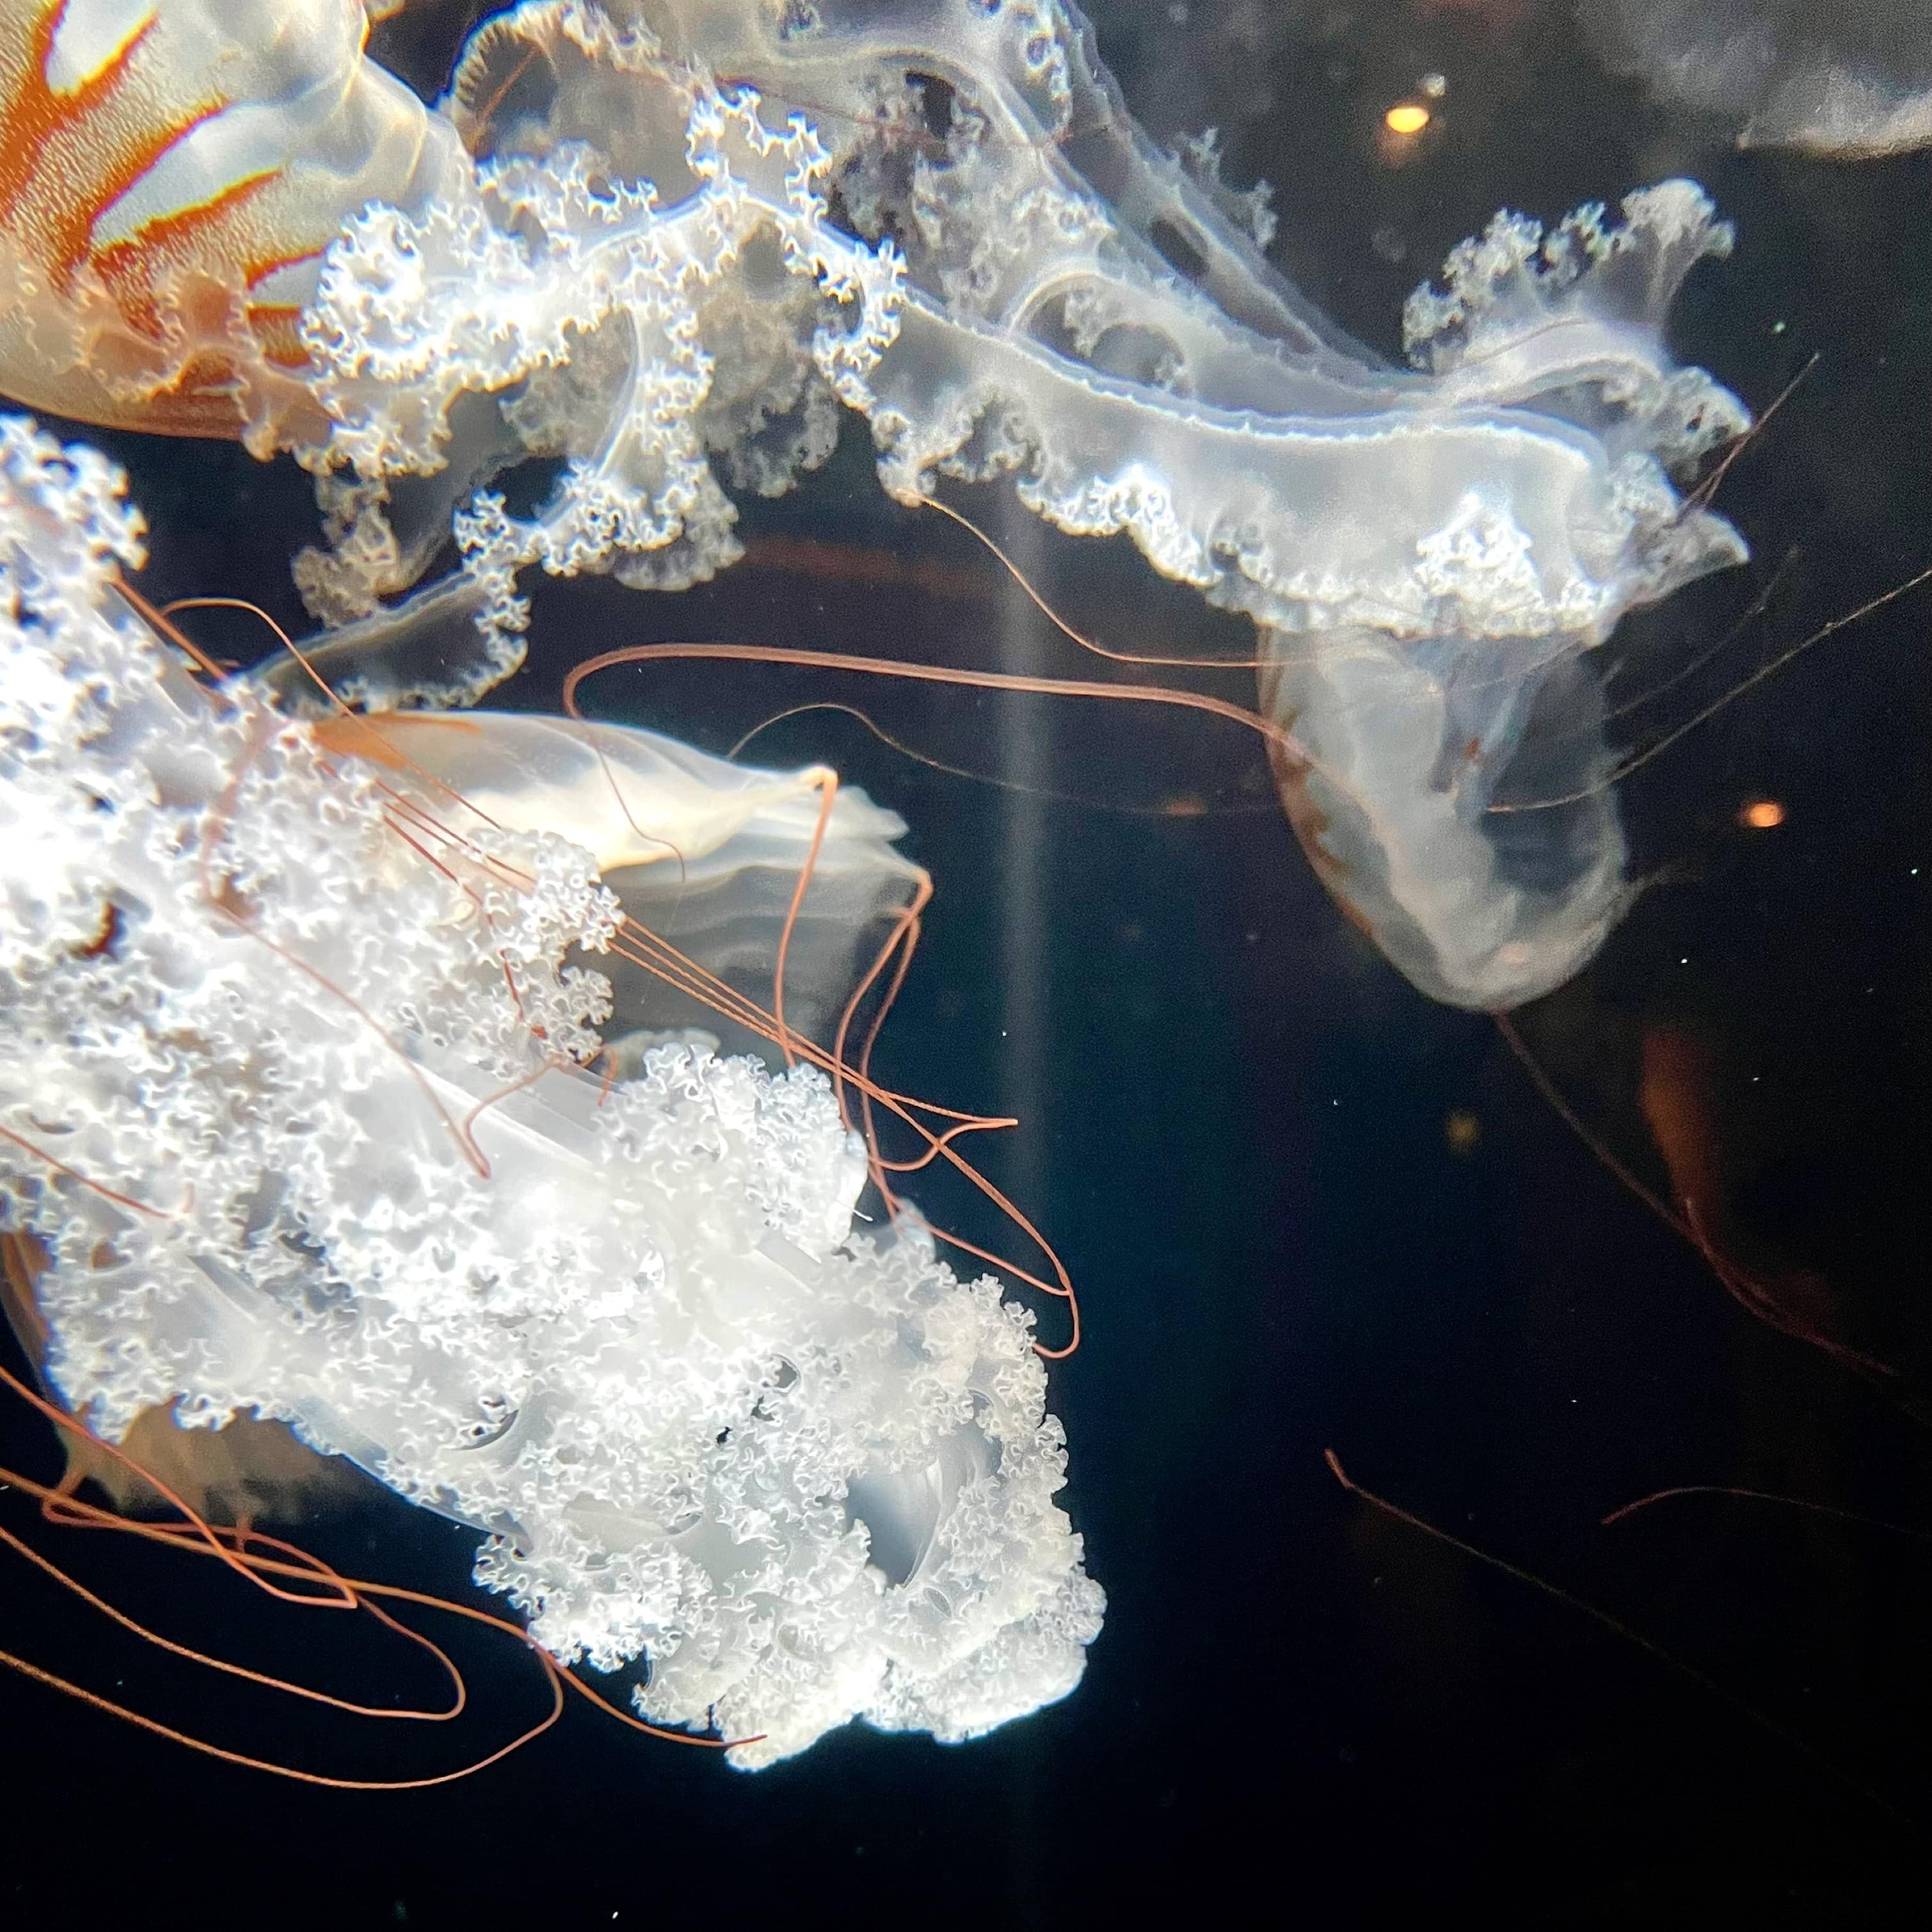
<point>665,247</point>
<point>308,1112</point>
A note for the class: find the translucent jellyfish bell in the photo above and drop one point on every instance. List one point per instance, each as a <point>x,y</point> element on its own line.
<point>1416,750</point>
<point>705,855</point>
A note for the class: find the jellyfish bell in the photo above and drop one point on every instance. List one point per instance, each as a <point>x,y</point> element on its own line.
<point>1405,760</point>
<point>172,171</point>
<point>705,856</point>
<point>301,1100</point>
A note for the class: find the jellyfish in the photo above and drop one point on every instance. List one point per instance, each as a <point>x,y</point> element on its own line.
<point>666,248</point>
<point>1429,556</point>
<point>1853,81</point>
<point>174,170</point>
<point>315,1111</point>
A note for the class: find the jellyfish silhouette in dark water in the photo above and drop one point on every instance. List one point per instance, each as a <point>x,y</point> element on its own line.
<point>1853,79</point>
<point>664,247</point>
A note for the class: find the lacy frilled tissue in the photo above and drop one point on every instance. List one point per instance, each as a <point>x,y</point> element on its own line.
<point>292,1094</point>
<point>697,229</point>
<point>664,245</point>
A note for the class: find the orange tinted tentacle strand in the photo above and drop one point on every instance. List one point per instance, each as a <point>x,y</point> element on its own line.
<point>163,622</point>
<point>204,1747</point>
<point>903,940</point>
<point>1066,629</point>
<point>458,1698</point>
<point>205,1534</point>
<point>1677,1490</point>
<point>1615,1626</point>
<point>828,787</point>
<point>864,1067</point>
<point>1281,741</point>
<point>1687,1225</point>
<point>106,1193</point>
<point>363,722</point>
<point>904,1109</point>
<point>977,680</point>
<point>196,1537</point>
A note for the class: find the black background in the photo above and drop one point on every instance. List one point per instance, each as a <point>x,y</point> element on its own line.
<point>1236,1130</point>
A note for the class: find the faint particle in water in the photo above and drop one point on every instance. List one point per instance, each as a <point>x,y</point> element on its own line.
<point>1462,1130</point>
<point>1389,244</point>
<point>1432,86</point>
<point>1761,815</point>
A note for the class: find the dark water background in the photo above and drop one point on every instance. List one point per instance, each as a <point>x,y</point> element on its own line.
<point>1238,1131</point>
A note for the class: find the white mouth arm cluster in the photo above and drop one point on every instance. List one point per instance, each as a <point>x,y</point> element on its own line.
<point>697,228</point>
<point>665,245</point>
<point>292,1095</point>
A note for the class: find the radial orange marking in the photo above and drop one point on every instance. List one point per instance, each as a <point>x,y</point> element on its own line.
<point>37,116</point>
<point>277,325</point>
<point>166,231</point>
<point>256,273</point>
<point>278,328</point>
<point>209,373</point>
<point>36,113</point>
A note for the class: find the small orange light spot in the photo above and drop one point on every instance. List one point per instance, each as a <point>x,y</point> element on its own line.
<point>1406,117</point>
<point>1462,1131</point>
<point>1183,805</point>
<point>1761,815</point>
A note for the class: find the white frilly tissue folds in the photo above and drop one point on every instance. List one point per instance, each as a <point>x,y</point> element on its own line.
<point>653,252</point>
<point>293,1094</point>
<point>694,229</point>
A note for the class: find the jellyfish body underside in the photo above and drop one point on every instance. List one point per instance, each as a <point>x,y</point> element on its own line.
<point>1458,806</point>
